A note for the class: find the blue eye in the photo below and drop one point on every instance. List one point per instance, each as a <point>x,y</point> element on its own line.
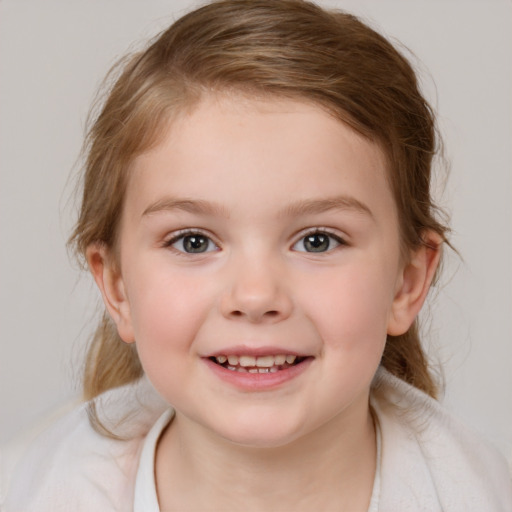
<point>192,243</point>
<point>318,241</point>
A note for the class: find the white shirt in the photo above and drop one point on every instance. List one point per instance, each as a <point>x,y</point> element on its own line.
<point>145,498</point>
<point>429,461</point>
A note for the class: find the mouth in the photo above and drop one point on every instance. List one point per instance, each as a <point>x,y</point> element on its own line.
<point>257,364</point>
<point>258,369</point>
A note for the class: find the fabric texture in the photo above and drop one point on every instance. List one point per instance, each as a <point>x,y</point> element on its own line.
<point>145,495</point>
<point>429,461</point>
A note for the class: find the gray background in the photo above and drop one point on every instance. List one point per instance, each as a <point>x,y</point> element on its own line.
<point>53,55</point>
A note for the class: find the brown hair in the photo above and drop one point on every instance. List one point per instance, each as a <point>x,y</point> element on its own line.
<point>287,48</point>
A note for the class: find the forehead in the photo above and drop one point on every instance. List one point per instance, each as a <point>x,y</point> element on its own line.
<point>243,151</point>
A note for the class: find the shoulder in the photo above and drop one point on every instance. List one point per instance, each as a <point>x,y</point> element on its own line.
<point>70,466</point>
<point>432,461</point>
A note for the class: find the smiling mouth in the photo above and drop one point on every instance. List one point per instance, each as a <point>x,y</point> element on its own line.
<point>260,364</point>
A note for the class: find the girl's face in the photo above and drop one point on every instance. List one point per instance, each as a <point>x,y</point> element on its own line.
<point>260,269</point>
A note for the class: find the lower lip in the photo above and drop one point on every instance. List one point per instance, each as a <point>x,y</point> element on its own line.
<point>258,381</point>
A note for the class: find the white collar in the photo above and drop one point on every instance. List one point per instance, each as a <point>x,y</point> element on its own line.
<point>145,498</point>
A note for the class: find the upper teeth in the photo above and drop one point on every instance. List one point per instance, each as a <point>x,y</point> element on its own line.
<point>261,361</point>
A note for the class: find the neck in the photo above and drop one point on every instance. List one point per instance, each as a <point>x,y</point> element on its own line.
<point>330,468</point>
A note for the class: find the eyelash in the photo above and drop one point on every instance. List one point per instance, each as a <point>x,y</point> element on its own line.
<point>182,235</point>
<point>321,231</point>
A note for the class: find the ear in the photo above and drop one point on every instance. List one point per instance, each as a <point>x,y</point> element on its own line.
<point>110,282</point>
<point>414,283</point>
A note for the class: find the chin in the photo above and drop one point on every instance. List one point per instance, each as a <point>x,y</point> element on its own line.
<point>260,434</point>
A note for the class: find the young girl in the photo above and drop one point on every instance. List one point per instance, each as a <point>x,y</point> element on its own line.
<point>257,215</point>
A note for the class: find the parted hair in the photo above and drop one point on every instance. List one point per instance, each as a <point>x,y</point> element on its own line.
<point>269,48</point>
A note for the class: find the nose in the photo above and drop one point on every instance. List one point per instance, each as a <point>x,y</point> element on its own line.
<point>257,293</point>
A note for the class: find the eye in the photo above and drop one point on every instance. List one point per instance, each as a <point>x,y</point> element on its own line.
<point>192,243</point>
<point>318,241</point>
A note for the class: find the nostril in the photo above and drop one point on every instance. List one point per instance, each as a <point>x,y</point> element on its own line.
<point>267,314</point>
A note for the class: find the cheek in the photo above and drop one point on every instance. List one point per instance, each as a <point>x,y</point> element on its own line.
<point>350,308</point>
<point>167,309</point>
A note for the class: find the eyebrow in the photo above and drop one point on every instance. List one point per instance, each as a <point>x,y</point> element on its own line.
<point>315,206</point>
<point>196,206</point>
<point>305,207</point>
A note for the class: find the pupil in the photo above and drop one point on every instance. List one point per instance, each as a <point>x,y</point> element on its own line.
<point>195,243</point>
<point>316,243</point>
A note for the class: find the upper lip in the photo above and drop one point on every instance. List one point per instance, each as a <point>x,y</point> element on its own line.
<point>244,350</point>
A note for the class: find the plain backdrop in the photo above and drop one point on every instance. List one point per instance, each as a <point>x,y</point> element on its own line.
<point>53,55</point>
